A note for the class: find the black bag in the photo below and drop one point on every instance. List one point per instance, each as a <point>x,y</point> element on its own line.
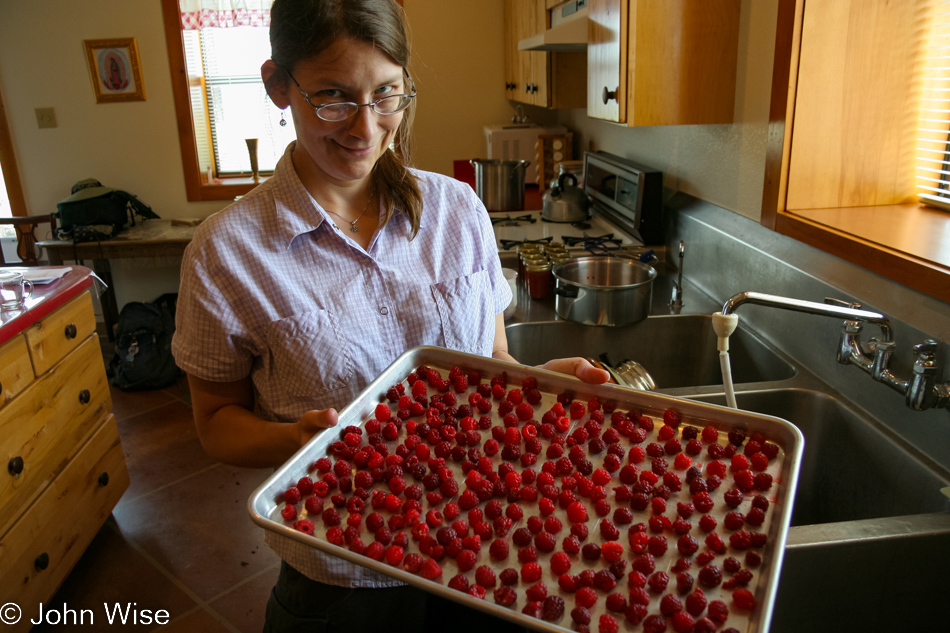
<point>143,358</point>
<point>94,212</point>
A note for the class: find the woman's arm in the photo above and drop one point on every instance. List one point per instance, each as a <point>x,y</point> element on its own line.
<point>572,366</point>
<point>230,432</point>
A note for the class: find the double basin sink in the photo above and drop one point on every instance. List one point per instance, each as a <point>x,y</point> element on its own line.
<point>869,545</point>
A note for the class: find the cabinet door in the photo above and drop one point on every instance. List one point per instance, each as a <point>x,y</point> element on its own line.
<point>537,19</point>
<point>512,57</point>
<point>607,60</point>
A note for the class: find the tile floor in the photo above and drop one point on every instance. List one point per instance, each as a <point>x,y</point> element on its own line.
<point>180,538</point>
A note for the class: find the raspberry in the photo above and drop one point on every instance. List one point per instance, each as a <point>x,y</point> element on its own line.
<point>498,550</point>
<point>658,581</point>
<point>710,576</point>
<point>430,569</point>
<point>731,565</point>
<point>531,572</point>
<point>314,505</point>
<point>612,551</point>
<point>683,622</point>
<point>696,602</point>
<point>609,531</point>
<point>670,605</point>
<point>707,523</point>
<point>576,512</point>
<point>466,560</point>
<point>485,576</point>
<point>585,597</point>
<point>383,412</point>
<point>608,624</point>
<point>733,520</point>
<point>508,576</point>
<point>604,580</point>
<point>753,558</point>
<point>684,582</point>
<point>505,596</point>
<point>560,563</point>
<point>545,542</point>
<point>580,615</point>
<point>654,624</point>
<point>763,481</point>
<point>536,592</point>
<point>718,611</point>
<point>635,613</point>
<point>304,526</point>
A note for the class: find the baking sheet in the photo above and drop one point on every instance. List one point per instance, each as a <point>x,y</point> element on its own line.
<point>266,503</point>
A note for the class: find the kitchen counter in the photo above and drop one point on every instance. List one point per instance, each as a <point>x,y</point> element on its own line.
<point>46,298</point>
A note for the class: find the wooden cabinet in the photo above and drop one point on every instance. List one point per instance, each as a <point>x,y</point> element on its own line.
<point>65,468</point>
<point>662,63</point>
<point>545,79</point>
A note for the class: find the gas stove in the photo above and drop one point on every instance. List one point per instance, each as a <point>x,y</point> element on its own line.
<point>593,234</point>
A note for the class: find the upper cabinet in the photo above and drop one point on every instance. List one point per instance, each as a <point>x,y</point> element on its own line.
<point>669,62</point>
<point>541,78</point>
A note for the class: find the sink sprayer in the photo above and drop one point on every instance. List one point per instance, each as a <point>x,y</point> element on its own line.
<point>920,393</point>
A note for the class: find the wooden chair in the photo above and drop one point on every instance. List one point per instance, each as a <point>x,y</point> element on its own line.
<point>25,228</point>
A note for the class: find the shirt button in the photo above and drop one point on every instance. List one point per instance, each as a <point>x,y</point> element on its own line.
<point>384,311</point>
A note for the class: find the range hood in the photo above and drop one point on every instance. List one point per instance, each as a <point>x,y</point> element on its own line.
<point>568,30</point>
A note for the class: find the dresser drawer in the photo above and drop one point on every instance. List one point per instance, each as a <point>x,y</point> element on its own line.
<point>42,547</point>
<point>16,371</point>
<point>47,423</point>
<point>50,339</point>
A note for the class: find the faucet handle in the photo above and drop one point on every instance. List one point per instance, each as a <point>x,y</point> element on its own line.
<point>926,353</point>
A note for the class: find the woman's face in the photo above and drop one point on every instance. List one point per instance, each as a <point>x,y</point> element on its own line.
<point>344,151</point>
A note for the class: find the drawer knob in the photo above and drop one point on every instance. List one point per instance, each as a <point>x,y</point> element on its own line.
<point>41,562</point>
<point>104,479</point>
<point>15,466</point>
<point>84,396</point>
<point>71,330</point>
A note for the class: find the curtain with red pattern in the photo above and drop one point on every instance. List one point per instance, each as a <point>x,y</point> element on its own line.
<point>201,14</point>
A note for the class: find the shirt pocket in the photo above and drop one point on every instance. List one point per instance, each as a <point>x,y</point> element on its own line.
<point>465,310</point>
<point>308,353</point>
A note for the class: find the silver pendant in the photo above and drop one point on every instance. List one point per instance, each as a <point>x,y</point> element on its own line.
<point>353,228</point>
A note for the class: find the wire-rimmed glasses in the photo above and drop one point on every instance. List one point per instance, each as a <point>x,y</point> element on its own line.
<point>342,110</point>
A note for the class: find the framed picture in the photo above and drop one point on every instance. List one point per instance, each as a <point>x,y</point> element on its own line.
<point>114,66</point>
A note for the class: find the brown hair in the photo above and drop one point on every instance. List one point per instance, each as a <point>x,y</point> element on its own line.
<point>302,29</point>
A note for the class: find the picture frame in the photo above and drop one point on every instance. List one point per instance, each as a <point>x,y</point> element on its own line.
<point>114,67</point>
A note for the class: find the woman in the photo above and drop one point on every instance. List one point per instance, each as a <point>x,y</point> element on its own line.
<point>295,298</point>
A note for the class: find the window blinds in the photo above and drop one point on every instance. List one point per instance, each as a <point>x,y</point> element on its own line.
<point>933,141</point>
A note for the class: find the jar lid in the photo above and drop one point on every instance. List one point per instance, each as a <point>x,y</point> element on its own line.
<point>533,267</point>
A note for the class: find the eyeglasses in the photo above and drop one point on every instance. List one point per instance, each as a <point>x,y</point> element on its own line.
<point>340,111</point>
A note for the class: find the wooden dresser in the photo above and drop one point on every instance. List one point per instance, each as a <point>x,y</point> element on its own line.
<point>65,470</point>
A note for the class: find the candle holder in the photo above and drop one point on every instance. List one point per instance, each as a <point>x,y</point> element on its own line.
<point>252,151</point>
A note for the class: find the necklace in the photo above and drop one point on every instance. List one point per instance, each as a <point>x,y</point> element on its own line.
<point>353,227</point>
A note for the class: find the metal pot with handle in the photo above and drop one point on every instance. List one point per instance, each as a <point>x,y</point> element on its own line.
<point>500,183</point>
<point>565,202</point>
<point>603,290</point>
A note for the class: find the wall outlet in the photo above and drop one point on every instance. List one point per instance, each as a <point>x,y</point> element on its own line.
<point>45,117</point>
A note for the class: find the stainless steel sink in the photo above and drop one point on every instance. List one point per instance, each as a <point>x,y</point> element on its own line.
<point>870,533</point>
<point>678,351</point>
<point>853,468</point>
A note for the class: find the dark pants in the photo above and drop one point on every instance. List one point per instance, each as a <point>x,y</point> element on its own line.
<point>300,605</point>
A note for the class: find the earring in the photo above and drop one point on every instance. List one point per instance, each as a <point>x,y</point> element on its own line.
<point>283,121</point>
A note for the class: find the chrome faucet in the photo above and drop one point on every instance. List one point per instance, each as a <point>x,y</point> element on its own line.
<point>920,393</point>
<point>676,301</point>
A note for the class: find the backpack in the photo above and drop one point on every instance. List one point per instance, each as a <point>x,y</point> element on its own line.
<point>143,358</point>
<point>94,212</point>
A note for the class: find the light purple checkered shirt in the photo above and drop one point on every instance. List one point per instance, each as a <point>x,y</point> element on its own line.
<point>272,289</point>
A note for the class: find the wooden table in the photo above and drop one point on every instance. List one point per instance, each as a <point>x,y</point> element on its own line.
<point>148,238</point>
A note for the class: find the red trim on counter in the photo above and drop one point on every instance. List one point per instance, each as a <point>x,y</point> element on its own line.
<point>46,298</point>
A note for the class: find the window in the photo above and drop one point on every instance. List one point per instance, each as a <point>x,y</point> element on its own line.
<point>219,97</point>
<point>11,194</point>
<point>933,142</point>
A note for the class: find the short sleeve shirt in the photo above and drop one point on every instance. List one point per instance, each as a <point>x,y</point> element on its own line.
<point>271,288</point>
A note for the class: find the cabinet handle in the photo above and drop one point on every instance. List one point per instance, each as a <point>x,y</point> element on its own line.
<point>527,88</point>
<point>104,480</point>
<point>84,396</point>
<point>15,466</point>
<point>608,95</point>
<point>534,88</point>
<point>71,331</point>
<point>41,562</point>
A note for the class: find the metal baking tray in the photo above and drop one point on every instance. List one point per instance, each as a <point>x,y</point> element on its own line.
<point>265,504</point>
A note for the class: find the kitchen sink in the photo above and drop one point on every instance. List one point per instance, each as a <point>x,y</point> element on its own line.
<point>867,550</point>
<point>678,350</point>
<point>853,468</point>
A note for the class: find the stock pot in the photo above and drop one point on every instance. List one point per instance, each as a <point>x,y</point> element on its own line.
<point>500,183</point>
<point>603,290</point>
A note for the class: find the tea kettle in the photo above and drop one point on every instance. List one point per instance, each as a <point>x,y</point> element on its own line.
<point>565,202</point>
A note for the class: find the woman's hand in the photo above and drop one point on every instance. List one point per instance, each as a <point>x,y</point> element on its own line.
<point>312,422</point>
<point>579,367</point>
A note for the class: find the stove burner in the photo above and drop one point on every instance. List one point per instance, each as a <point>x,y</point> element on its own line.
<point>512,221</point>
<point>574,241</point>
<point>603,245</point>
<point>507,245</point>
